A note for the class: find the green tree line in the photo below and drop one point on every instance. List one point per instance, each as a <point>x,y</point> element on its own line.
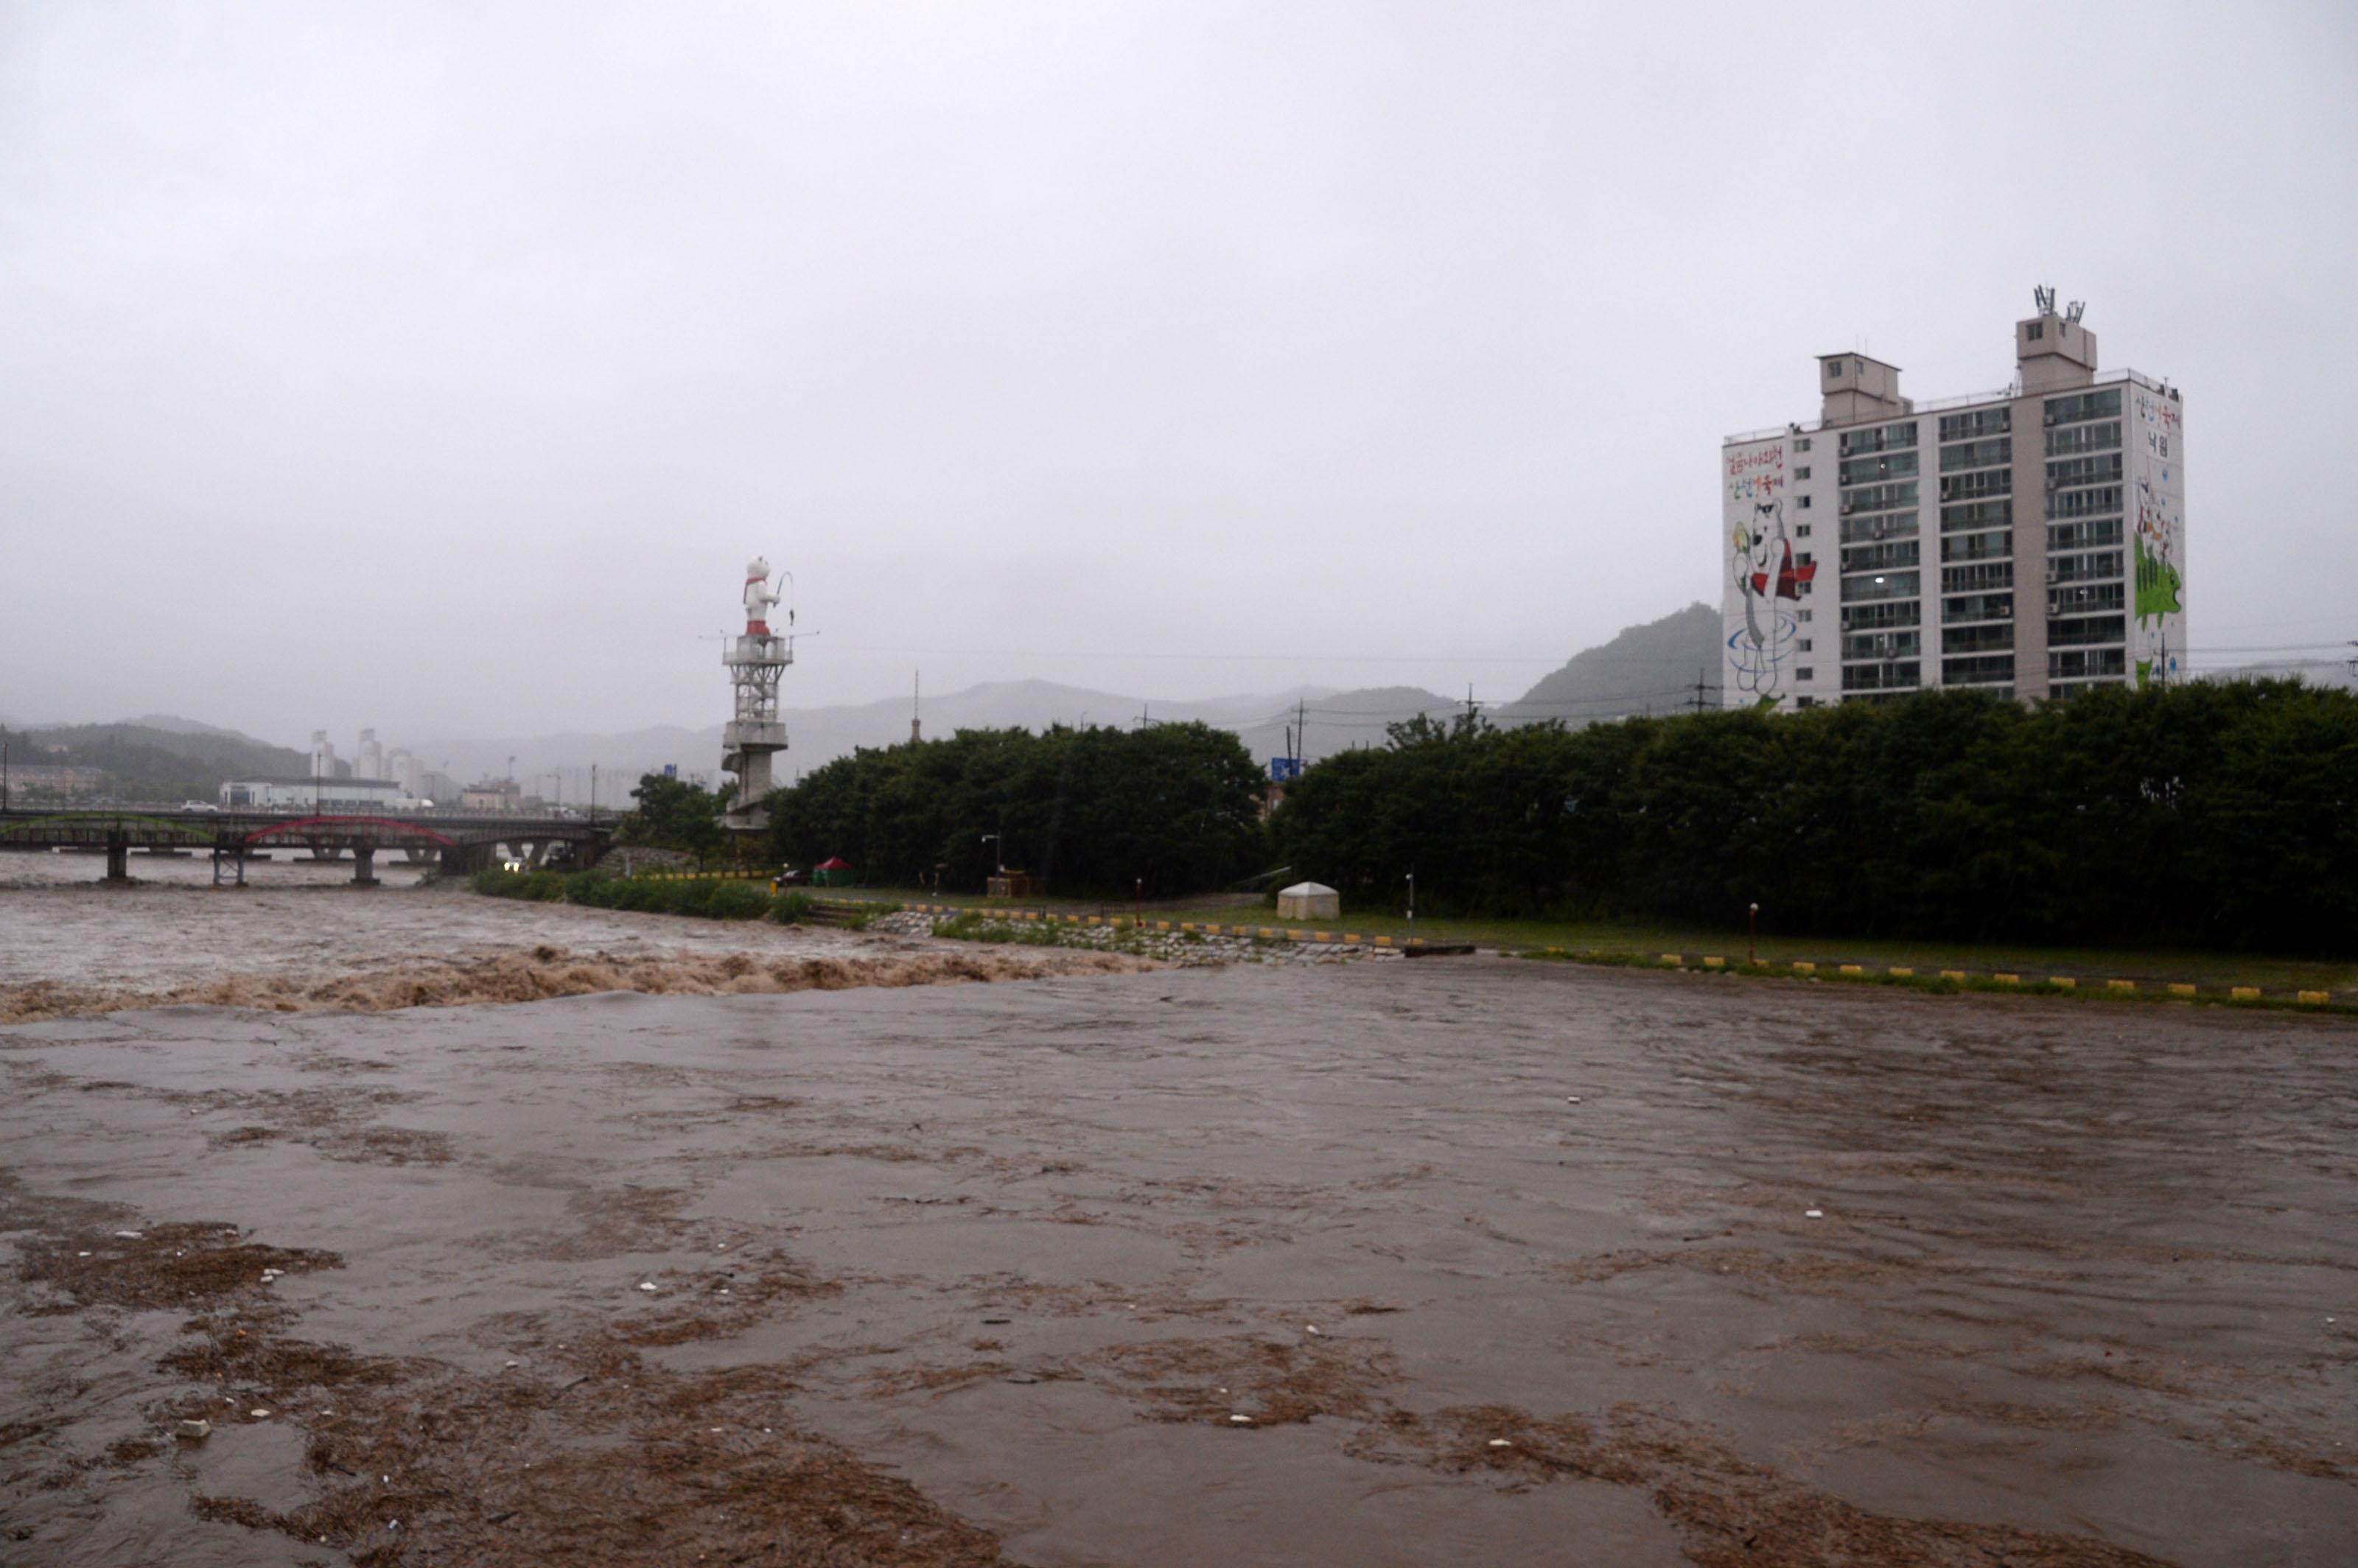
<point>1176,806</point>
<point>2215,814</point>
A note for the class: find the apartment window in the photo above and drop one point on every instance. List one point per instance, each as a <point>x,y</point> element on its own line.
<point>1805,504</point>
<point>1802,446</point>
<point>1976,578</point>
<point>2105,403</point>
<point>1875,468</point>
<point>2087,630</point>
<point>1868,646</point>
<point>1977,671</point>
<point>2096,564</point>
<point>2035,330</point>
<point>1882,585</point>
<point>1867,617</point>
<point>1966,486</point>
<point>1803,558</point>
<point>2104,468</point>
<point>2088,535</point>
<point>1880,557</point>
<point>1801,615</point>
<point>2070,439</point>
<point>1978,639</point>
<point>1990,453</point>
<point>1803,472</point>
<point>1976,515</point>
<point>1878,525</point>
<point>1834,369</point>
<point>1879,438</point>
<point>1977,607</point>
<point>1879,498</point>
<point>1977,423</point>
<point>2083,502</point>
<point>1976,547</point>
<point>1805,702</point>
<point>2080,663</point>
<point>1801,530</point>
<point>1881,677</point>
<point>2087,599</point>
<point>1803,646</point>
<point>1804,672</point>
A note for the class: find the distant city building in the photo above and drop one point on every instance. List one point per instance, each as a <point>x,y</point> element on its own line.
<point>370,764</point>
<point>402,766</point>
<point>493,794</point>
<point>2029,542</point>
<point>326,794</point>
<point>43,781</point>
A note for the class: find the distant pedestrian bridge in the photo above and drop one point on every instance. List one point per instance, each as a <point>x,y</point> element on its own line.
<point>459,841</point>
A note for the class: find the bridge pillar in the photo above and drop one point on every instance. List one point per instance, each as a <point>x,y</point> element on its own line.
<point>118,859</point>
<point>364,865</point>
<point>226,858</point>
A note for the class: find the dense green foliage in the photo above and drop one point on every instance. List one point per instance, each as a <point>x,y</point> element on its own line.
<point>675,815</point>
<point>2215,814</point>
<point>1098,810</point>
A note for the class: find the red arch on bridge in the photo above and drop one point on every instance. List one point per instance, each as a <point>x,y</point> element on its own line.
<point>405,829</point>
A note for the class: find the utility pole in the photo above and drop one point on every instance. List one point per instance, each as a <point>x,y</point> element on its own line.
<point>1300,733</point>
<point>1470,709</point>
<point>1698,696</point>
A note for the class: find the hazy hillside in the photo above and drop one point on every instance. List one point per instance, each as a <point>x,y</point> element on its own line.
<point>1650,668</point>
<point>819,735</point>
<point>1343,720</point>
<point>150,762</point>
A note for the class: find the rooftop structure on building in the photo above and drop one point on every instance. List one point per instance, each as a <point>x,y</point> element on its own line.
<point>2030,542</point>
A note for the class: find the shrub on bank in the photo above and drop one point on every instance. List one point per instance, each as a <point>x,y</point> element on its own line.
<point>708,898</point>
<point>540,887</point>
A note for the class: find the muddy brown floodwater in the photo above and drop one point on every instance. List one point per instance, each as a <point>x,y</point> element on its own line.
<point>1450,1262</point>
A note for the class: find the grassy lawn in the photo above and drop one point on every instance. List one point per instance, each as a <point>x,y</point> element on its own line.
<point>2090,966</point>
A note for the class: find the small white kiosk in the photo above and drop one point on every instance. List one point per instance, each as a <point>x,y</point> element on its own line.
<point>1309,901</point>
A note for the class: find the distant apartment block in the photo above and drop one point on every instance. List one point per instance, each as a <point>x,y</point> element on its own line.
<point>2029,542</point>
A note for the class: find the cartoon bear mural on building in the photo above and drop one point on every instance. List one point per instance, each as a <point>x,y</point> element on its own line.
<point>1765,572</point>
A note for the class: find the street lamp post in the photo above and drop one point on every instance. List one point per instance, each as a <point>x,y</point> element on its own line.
<point>1411,906</point>
<point>1752,935</point>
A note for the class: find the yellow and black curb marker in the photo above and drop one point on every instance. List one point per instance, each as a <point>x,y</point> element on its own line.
<point>1953,980</point>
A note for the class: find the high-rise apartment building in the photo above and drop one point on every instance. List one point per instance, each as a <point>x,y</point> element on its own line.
<point>2029,542</point>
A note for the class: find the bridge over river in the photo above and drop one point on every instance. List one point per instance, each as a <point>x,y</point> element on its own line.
<point>459,840</point>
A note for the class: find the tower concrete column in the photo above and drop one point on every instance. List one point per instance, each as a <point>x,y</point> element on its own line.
<point>118,859</point>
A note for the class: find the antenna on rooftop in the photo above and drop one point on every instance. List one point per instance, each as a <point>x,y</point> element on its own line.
<point>2045,296</point>
<point>2078,308</point>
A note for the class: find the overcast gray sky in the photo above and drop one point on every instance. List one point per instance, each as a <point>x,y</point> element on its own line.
<point>438,367</point>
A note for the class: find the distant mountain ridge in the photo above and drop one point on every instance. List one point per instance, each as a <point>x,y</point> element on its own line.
<point>1647,669</point>
<point>1652,668</point>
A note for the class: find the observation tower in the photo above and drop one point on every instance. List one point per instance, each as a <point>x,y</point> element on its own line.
<point>754,662</point>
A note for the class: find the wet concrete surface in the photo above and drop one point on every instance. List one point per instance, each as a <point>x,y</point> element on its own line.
<point>1498,1262</point>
